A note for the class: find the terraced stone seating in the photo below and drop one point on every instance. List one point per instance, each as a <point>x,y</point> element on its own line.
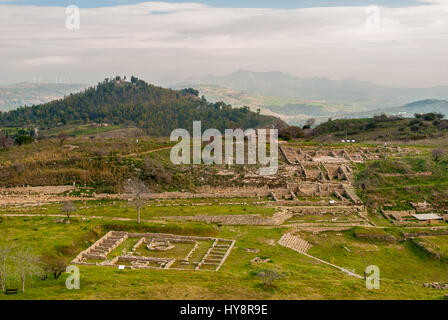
<point>293,242</point>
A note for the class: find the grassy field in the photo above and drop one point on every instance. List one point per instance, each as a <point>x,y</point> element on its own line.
<point>125,209</point>
<point>398,261</point>
<point>301,278</point>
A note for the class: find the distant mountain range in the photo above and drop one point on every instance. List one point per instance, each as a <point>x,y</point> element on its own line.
<point>26,93</point>
<point>409,109</point>
<point>280,84</point>
<point>290,98</point>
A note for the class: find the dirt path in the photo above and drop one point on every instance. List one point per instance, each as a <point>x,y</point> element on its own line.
<point>147,152</point>
<point>75,216</point>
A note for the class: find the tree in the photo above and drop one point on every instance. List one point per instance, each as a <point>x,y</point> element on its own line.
<point>437,153</point>
<point>291,132</point>
<point>136,188</point>
<point>62,137</point>
<point>68,208</point>
<point>26,263</point>
<point>53,264</point>
<point>310,122</point>
<point>5,253</point>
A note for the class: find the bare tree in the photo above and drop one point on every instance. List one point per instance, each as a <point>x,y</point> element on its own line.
<point>68,208</point>
<point>5,254</point>
<point>5,142</point>
<point>310,122</point>
<point>437,153</point>
<point>62,137</point>
<point>136,188</point>
<point>27,264</point>
<point>268,277</point>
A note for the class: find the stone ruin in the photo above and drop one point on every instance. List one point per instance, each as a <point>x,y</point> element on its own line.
<point>213,259</point>
<point>324,172</point>
<point>155,245</point>
<point>294,155</point>
<point>100,249</point>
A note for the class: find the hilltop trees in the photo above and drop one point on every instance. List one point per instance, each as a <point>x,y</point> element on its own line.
<point>156,110</point>
<point>431,116</point>
<point>309,123</point>
<point>292,132</point>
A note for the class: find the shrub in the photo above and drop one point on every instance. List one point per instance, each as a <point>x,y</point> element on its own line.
<point>268,277</point>
<point>153,169</point>
<point>23,139</point>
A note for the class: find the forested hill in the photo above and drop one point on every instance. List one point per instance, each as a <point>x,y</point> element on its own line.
<point>156,110</point>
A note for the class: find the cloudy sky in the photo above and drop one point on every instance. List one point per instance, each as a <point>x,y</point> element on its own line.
<point>396,42</point>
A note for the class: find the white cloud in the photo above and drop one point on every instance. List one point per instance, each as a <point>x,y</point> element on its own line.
<point>157,39</point>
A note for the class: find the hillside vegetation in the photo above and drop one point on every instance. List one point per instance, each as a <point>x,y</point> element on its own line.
<point>156,110</point>
<point>384,128</point>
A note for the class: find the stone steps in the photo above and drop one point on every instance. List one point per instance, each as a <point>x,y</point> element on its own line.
<point>105,245</point>
<point>352,195</point>
<point>301,246</point>
<point>295,243</point>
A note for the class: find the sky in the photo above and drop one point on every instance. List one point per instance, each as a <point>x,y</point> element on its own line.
<point>277,4</point>
<point>391,42</point>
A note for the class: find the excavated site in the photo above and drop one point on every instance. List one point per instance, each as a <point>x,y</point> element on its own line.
<point>313,191</point>
<point>156,251</point>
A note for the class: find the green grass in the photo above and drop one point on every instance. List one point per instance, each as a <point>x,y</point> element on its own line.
<point>400,261</point>
<point>125,209</point>
<point>302,278</point>
<point>405,187</point>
